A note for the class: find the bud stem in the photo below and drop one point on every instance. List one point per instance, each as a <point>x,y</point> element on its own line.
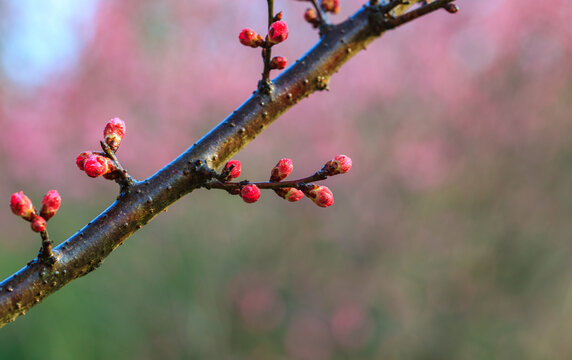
<point>46,255</point>
<point>124,180</point>
<point>265,85</point>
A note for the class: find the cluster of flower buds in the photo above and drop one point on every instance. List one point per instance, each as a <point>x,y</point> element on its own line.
<point>292,190</point>
<point>315,15</point>
<point>98,163</point>
<point>277,33</point>
<point>22,206</point>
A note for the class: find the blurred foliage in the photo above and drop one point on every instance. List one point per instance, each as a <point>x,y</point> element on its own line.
<point>449,239</point>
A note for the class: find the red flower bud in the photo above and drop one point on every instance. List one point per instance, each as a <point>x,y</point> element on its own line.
<point>50,204</point>
<point>320,195</point>
<point>38,224</point>
<point>97,165</point>
<point>81,158</point>
<point>277,32</point>
<point>332,6</point>
<point>114,132</point>
<point>250,193</point>
<point>293,194</point>
<point>236,169</point>
<point>248,37</point>
<point>312,17</point>
<point>282,169</point>
<point>341,164</point>
<point>278,62</point>
<point>21,205</point>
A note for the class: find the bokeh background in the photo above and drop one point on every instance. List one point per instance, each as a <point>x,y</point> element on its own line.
<point>449,239</point>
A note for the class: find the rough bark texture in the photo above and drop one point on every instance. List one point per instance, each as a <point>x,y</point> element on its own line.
<point>85,250</point>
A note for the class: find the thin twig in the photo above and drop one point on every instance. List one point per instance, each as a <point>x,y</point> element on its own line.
<point>414,14</point>
<point>265,84</point>
<point>46,254</point>
<point>124,179</point>
<point>299,183</point>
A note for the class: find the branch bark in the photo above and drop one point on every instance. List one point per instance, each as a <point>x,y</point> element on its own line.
<point>84,251</point>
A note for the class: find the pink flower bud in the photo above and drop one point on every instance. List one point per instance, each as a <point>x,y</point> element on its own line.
<point>278,62</point>
<point>97,165</point>
<point>341,164</point>
<point>50,204</point>
<point>290,194</point>
<point>236,169</point>
<point>332,6</point>
<point>38,224</point>
<point>282,169</point>
<point>21,205</point>
<point>277,32</point>
<point>81,158</point>
<point>114,132</point>
<point>293,194</point>
<point>250,193</point>
<point>248,37</point>
<point>320,195</point>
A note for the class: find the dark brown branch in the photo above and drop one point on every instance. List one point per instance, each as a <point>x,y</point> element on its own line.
<point>84,251</point>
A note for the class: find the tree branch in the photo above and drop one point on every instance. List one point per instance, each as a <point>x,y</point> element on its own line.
<point>84,251</point>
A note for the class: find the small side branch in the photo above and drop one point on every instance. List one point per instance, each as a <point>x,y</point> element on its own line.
<point>297,184</point>
<point>123,178</point>
<point>46,255</point>
<point>416,13</point>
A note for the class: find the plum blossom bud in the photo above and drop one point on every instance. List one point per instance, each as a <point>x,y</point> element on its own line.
<point>114,132</point>
<point>21,205</point>
<point>278,62</point>
<point>282,169</point>
<point>97,165</point>
<point>81,158</point>
<point>250,193</point>
<point>451,8</point>
<point>293,194</point>
<point>50,204</point>
<point>332,6</point>
<point>312,17</point>
<point>320,195</point>
<point>278,16</point>
<point>277,32</point>
<point>341,164</point>
<point>235,171</point>
<point>38,224</point>
<point>248,37</point>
